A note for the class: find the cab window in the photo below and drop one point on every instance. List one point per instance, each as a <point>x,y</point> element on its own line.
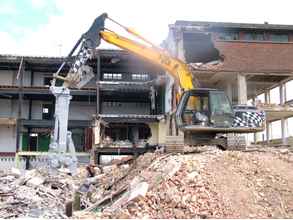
<point>195,103</point>
<point>220,104</point>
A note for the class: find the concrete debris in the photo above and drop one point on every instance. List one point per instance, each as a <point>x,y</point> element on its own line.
<point>122,160</point>
<point>108,142</point>
<point>35,181</point>
<point>139,189</point>
<point>93,170</point>
<point>212,65</point>
<point>124,143</point>
<point>15,172</point>
<point>34,194</point>
<point>284,151</point>
<point>210,184</point>
<point>200,186</point>
<point>141,143</point>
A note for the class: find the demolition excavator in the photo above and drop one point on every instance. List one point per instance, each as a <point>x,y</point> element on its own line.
<point>204,115</point>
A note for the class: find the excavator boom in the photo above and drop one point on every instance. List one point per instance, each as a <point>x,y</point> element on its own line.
<point>158,57</point>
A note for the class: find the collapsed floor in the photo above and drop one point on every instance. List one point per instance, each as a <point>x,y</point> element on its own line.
<point>210,184</point>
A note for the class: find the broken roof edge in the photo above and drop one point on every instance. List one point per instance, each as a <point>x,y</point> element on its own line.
<point>242,71</point>
<point>231,25</point>
<point>104,52</point>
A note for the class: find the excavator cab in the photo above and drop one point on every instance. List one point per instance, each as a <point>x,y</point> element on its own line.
<point>204,108</point>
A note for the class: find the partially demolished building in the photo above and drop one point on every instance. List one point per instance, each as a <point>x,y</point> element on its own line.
<point>124,94</point>
<point>130,98</point>
<point>251,62</point>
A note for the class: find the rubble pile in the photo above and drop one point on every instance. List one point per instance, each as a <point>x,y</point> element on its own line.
<point>113,180</point>
<point>212,184</point>
<point>175,190</point>
<point>185,195</point>
<point>209,184</point>
<point>34,193</point>
<point>38,193</point>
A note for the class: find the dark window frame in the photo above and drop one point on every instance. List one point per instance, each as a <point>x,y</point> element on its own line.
<point>254,36</point>
<point>278,39</point>
<point>229,35</point>
<point>50,114</point>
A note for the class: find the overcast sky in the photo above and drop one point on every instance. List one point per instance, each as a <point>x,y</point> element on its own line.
<point>51,27</point>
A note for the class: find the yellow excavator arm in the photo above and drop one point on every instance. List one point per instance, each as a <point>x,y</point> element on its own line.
<point>90,40</point>
<point>178,69</point>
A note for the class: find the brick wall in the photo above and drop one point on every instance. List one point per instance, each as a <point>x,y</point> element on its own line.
<point>256,56</point>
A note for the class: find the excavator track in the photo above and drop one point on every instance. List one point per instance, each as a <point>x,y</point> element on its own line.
<point>175,144</point>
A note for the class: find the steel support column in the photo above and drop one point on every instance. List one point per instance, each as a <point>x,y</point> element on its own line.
<point>20,102</point>
<point>97,82</point>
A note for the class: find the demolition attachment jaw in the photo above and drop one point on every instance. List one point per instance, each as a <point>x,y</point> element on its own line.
<point>78,75</point>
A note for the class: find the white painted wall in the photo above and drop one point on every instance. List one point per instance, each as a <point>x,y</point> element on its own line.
<point>37,110</point>
<point>9,108</point>
<point>39,78</point>
<point>275,95</point>
<point>289,90</point>
<point>170,43</point>
<point>77,111</point>
<point>7,139</point>
<point>26,78</point>
<point>168,94</point>
<point>290,127</point>
<point>5,110</point>
<point>276,131</point>
<point>6,77</point>
<point>261,98</point>
<point>81,110</point>
<point>261,136</point>
<point>25,107</point>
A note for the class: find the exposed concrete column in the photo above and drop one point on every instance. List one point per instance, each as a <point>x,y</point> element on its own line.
<point>159,133</point>
<point>283,120</point>
<point>162,132</point>
<point>282,94</point>
<point>242,89</point>
<point>284,126</point>
<point>267,101</point>
<point>180,49</point>
<point>268,132</point>
<point>254,134</point>
<point>267,97</point>
<point>229,91</point>
<point>135,134</point>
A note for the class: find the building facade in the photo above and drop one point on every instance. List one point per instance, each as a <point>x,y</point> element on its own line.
<point>251,62</point>
<point>132,98</point>
<point>124,93</point>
